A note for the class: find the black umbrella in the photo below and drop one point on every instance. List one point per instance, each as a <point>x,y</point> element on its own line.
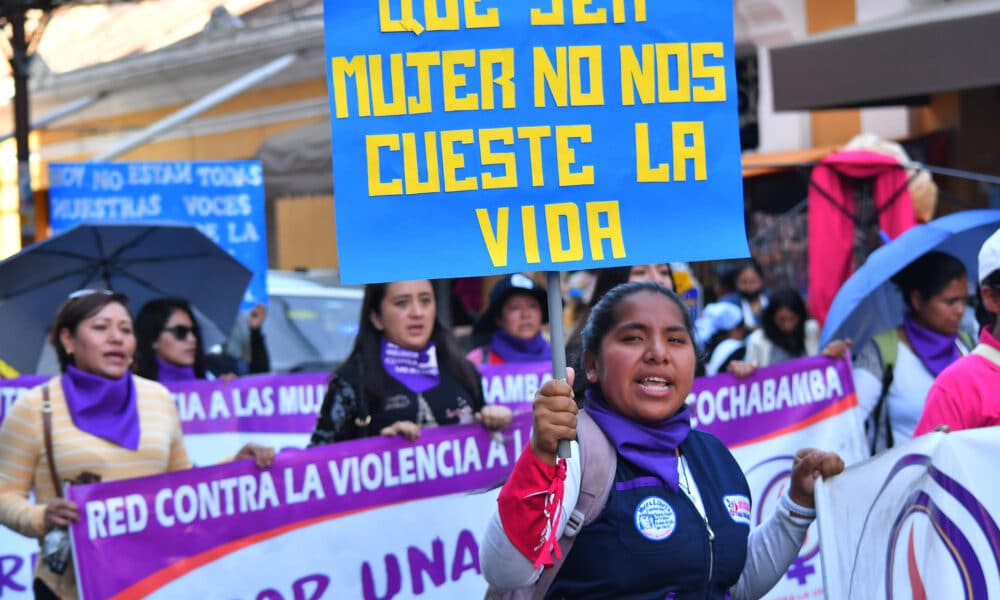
<point>143,261</point>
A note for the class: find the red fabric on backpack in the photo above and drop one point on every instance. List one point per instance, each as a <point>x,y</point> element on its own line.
<point>831,231</point>
<point>524,502</point>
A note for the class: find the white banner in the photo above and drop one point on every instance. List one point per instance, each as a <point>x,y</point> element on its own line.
<point>918,521</point>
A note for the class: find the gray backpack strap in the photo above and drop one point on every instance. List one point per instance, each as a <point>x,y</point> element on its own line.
<point>598,464</point>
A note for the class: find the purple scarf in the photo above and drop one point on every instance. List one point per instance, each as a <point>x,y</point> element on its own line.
<point>103,407</point>
<point>652,447</point>
<point>514,349</point>
<point>416,369</point>
<point>168,372</point>
<point>934,349</point>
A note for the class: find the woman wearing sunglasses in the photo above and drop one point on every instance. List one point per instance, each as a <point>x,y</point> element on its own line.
<point>170,346</point>
<point>94,422</point>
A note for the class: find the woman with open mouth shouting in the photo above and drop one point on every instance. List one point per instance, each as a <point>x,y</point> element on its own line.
<point>94,422</point>
<point>670,514</point>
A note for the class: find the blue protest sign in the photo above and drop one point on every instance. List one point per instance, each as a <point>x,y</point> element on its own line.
<point>223,199</point>
<point>474,137</point>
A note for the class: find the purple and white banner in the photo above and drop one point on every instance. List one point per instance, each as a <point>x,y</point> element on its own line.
<point>918,521</point>
<point>372,518</point>
<point>260,403</point>
<point>217,419</point>
<point>514,383</point>
<point>764,419</point>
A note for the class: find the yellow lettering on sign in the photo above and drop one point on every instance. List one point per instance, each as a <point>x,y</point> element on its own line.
<point>534,135</point>
<point>422,63</point>
<point>374,145</point>
<point>530,235</point>
<point>411,164</point>
<point>572,249</point>
<point>582,15</point>
<point>603,225</point>
<point>638,76</point>
<point>716,73</point>
<point>566,155</point>
<point>454,81</point>
<point>612,231</point>
<point>618,11</point>
<point>437,22</point>
<point>504,58</point>
<point>495,238</point>
<point>682,93</point>
<point>682,149</point>
<point>677,72</point>
<point>645,171</point>
<point>564,79</point>
<point>452,161</point>
<point>475,20</point>
<point>341,69</point>
<point>380,105</point>
<point>555,15</point>
<point>489,157</point>
<point>693,151</point>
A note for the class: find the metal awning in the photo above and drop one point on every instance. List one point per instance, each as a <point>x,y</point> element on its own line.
<point>894,61</point>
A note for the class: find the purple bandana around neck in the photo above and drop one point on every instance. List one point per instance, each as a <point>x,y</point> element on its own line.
<point>103,407</point>
<point>416,369</point>
<point>514,349</point>
<point>168,372</point>
<point>935,350</point>
<point>651,447</point>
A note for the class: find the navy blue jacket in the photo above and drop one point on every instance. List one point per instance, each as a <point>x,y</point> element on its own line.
<point>651,542</point>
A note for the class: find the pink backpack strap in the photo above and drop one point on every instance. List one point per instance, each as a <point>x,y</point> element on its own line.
<point>598,464</point>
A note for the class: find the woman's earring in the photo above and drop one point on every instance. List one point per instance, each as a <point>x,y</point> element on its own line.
<point>592,376</point>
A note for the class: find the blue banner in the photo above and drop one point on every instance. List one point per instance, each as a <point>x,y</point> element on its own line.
<point>481,137</point>
<point>223,199</point>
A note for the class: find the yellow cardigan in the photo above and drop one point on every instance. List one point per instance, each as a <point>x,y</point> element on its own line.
<point>24,465</point>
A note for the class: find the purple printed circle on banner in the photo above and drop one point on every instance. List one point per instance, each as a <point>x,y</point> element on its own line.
<point>940,517</point>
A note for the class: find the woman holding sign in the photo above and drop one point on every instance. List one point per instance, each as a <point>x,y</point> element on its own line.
<point>404,373</point>
<point>676,521</point>
<point>94,422</point>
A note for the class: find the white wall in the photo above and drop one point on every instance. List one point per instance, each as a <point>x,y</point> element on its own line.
<point>887,122</point>
<point>765,23</point>
<point>779,131</point>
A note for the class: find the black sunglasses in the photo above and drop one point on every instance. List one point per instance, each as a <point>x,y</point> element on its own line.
<point>180,332</point>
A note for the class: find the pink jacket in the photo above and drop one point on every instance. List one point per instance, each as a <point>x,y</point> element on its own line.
<point>964,395</point>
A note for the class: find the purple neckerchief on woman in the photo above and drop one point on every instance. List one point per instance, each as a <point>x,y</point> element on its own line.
<point>513,349</point>
<point>935,350</point>
<point>103,407</point>
<point>651,447</point>
<point>416,369</point>
<point>168,372</point>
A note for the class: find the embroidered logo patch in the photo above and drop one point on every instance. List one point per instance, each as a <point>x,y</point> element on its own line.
<point>655,519</point>
<point>738,508</point>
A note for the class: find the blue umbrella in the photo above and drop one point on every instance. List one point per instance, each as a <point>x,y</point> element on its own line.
<point>144,261</point>
<point>869,302</point>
